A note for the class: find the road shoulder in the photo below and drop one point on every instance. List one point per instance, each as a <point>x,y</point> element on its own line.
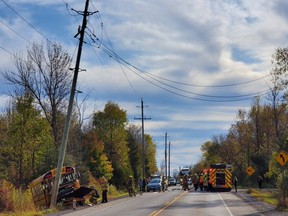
<point>264,208</point>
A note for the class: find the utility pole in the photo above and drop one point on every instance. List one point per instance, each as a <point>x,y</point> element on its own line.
<point>166,154</point>
<point>143,138</point>
<point>63,145</point>
<point>169,159</point>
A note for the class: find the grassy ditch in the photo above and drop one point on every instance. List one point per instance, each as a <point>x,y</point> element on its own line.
<point>16,202</point>
<point>269,196</point>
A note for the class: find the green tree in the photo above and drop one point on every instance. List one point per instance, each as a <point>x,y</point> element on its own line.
<point>109,125</point>
<point>150,156</point>
<point>28,147</point>
<point>135,147</point>
<point>210,152</point>
<point>94,156</point>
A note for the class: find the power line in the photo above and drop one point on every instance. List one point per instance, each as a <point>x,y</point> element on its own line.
<point>26,21</point>
<point>15,32</point>
<point>93,35</point>
<point>212,86</point>
<point>161,82</point>
<point>122,61</point>
<point>112,53</point>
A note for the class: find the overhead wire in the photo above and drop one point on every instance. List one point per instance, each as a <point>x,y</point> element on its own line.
<point>15,31</point>
<point>111,53</point>
<point>212,86</point>
<point>151,77</point>
<point>112,49</point>
<point>25,20</point>
<point>69,12</point>
<point>116,57</point>
<point>182,95</point>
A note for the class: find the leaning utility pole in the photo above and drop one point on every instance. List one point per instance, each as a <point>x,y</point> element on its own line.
<point>143,139</point>
<point>63,145</point>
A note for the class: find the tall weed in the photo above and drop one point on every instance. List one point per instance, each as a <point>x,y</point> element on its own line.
<point>15,200</point>
<point>22,200</point>
<point>6,202</point>
<point>283,190</point>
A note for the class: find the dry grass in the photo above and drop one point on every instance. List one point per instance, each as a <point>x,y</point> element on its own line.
<point>15,201</point>
<point>270,196</point>
<point>267,196</point>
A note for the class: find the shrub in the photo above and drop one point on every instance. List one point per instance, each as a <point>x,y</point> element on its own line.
<point>15,200</point>
<point>22,200</point>
<point>6,203</point>
<point>283,189</point>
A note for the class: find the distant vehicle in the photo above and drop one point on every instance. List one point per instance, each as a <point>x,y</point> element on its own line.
<point>154,185</point>
<point>172,181</point>
<point>156,176</point>
<point>189,181</point>
<point>184,171</point>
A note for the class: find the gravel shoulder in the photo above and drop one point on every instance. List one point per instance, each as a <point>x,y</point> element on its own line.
<point>265,209</point>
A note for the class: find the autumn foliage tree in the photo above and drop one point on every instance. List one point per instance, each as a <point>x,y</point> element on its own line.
<point>109,125</point>
<point>260,133</point>
<point>94,156</point>
<point>150,156</point>
<point>27,150</point>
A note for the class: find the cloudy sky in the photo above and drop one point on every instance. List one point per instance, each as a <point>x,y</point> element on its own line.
<point>194,63</point>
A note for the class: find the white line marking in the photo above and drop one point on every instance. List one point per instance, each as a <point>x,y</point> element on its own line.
<point>228,210</point>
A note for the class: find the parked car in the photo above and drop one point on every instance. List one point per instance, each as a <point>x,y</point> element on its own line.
<point>154,185</point>
<point>172,181</point>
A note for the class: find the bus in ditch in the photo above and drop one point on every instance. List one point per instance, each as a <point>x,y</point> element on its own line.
<point>69,188</point>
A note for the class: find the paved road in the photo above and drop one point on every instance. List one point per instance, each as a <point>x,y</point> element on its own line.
<point>178,202</point>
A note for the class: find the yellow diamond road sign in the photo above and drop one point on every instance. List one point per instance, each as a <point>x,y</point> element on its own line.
<point>282,158</point>
<point>250,171</point>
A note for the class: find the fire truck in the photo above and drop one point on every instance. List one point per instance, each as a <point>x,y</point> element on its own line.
<point>218,177</point>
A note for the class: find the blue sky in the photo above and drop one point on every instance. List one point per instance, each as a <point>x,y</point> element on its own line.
<point>194,63</point>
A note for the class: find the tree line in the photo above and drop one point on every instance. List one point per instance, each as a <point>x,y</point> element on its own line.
<point>32,125</point>
<point>259,134</point>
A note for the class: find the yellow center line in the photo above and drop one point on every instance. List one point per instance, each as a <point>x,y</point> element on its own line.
<point>155,213</point>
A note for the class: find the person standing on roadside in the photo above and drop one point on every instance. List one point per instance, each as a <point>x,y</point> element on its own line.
<point>144,185</point>
<point>130,186</point>
<point>260,180</point>
<point>235,182</point>
<point>104,187</point>
<point>140,185</point>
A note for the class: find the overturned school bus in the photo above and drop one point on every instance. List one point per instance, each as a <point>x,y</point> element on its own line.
<point>69,188</point>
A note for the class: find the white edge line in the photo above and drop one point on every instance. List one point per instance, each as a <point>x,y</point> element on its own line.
<point>228,210</point>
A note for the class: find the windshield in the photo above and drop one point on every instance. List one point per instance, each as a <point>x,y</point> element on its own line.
<point>155,181</point>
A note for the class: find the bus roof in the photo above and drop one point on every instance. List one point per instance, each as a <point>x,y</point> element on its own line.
<point>50,174</point>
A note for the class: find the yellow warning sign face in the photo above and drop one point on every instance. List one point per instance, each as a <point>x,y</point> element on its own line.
<point>250,171</point>
<point>282,158</point>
